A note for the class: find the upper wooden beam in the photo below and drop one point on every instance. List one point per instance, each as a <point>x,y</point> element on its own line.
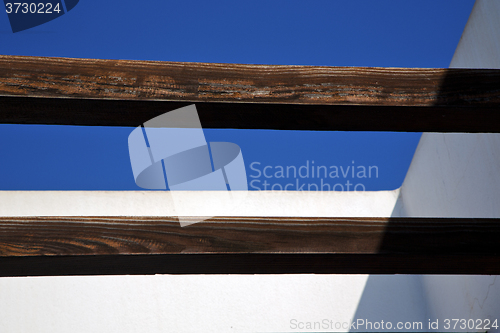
<point>203,82</point>
<point>127,93</point>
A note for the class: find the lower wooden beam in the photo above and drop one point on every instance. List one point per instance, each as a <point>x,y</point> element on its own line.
<point>256,245</point>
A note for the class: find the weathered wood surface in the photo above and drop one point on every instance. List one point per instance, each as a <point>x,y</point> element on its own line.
<point>396,238</point>
<point>201,82</point>
<point>154,235</point>
<point>37,90</point>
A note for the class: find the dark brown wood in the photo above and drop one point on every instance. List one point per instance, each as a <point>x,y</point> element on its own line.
<point>202,82</point>
<point>127,93</point>
<point>249,263</point>
<point>154,235</point>
<point>87,112</point>
<point>396,238</point>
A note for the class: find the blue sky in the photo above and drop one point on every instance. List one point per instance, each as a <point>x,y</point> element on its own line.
<point>382,33</point>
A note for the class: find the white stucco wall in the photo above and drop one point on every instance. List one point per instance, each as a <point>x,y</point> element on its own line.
<point>458,175</point>
<point>169,303</point>
<point>479,46</point>
<point>159,203</point>
<point>453,175</point>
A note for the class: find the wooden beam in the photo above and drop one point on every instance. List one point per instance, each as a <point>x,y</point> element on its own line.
<point>255,242</point>
<point>203,82</point>
<point>37,90</point>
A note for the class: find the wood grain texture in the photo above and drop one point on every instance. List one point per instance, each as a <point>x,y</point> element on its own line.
<point>201,82</point>
<point>147,245</point>
<point>41,236</point>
